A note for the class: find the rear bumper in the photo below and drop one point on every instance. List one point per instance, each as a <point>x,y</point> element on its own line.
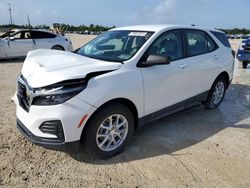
<point>50,143</point>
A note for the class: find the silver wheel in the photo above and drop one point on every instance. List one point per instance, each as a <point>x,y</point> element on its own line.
<point>218,93</point>
<point>112,132</point>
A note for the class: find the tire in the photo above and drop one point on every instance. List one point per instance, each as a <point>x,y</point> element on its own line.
<point>57,47</point>
<point>212,102</point>
<point>99,124</point>
<point>244,64</point>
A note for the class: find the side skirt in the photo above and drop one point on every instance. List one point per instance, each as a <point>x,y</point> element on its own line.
<point>189,103</point>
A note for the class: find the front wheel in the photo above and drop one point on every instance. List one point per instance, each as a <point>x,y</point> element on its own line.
<point>109,131</point>
<point>216,93</point>
<point>244,64</point>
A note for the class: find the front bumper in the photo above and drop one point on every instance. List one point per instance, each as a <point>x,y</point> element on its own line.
<point>69,114</point>
<point>49,143</point>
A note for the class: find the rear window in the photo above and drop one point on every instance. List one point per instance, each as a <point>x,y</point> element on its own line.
<point>222,38</point>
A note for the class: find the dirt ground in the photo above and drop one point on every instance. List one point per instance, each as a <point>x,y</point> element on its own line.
<point>193,148</point>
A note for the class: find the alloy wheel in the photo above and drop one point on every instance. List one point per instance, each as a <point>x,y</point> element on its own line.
<point>112,132</point>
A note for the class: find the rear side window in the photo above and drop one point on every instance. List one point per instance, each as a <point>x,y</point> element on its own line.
<point>199,42</point>
<point>210,44</point>
<point>222,38</point>
<point>41,35</point>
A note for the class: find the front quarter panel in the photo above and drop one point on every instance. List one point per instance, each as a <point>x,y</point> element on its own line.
<point>127,84</point>
<point>2,49</point>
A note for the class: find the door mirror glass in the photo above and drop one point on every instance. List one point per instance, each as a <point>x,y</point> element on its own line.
<point>156,60</point>
<point>11,38</point>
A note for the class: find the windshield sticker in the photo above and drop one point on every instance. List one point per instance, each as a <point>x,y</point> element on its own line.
<point>137,34</point>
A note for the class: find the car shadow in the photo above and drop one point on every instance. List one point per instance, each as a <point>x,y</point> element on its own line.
<point>183,129</point>
<point>12,60</point>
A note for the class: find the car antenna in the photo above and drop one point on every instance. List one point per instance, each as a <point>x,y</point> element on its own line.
<point>28,18</point>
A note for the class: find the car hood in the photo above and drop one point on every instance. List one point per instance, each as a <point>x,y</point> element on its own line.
<point>45,67</point>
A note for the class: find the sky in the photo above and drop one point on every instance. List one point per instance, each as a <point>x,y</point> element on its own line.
<point>204,13</point>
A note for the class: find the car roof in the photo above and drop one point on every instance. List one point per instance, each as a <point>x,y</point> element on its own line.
<point>40,30</point>
<point>160,27</point>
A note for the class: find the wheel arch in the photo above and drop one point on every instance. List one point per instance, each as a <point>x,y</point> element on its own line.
<point>126,102</point>
<point>58,45</point>
<point>226,76</point>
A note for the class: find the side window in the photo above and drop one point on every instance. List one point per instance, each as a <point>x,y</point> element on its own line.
<point>25,35</point>
<point>168,44</point>
<point>222,38</point>
<point>41,35</point>
<point>210,44</point>
<point>17,35</point>
<point>196,42</point>
<point>34,35</point>
<point>199,42</point>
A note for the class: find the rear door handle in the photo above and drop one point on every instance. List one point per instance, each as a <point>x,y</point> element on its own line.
<point>183,66</point>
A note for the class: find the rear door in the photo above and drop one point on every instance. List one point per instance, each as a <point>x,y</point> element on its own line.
<point>19,44</point>
<point>203,61</point>
<point>42,39</point>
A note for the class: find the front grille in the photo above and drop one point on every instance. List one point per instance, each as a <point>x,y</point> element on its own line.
<point>247,48</point>
<point>22,95</point>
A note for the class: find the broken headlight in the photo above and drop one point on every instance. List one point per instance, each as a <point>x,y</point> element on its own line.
<point>58,93</point>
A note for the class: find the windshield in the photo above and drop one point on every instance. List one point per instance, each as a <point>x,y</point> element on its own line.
<point>6,34</point>
<point>117,46</point>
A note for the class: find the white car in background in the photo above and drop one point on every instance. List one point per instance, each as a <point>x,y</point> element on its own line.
<point>123,78</point>
<point>18,43</point>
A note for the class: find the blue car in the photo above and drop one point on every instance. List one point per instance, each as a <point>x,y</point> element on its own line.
<point>243,53</point>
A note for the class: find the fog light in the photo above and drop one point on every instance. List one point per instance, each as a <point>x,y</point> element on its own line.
<point>53,127</point>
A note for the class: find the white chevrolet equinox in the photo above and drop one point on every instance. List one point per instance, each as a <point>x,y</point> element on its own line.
<point>122,79</point>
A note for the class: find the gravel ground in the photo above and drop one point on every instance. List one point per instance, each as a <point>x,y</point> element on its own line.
<point>193,148</point>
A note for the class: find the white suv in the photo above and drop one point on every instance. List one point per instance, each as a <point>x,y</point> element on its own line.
<point>122,79</point>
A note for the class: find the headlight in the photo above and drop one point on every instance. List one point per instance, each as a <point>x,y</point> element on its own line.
<point>58,93</point>
<point>241,46</point>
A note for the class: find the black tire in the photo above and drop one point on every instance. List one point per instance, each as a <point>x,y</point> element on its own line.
<point>57,47</point>
<point>244,64</point>
<point>210,103</point>
<point>92,127</point>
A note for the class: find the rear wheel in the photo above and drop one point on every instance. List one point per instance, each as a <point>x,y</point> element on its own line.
<point>109,131</point>
<point>216,93</point>
<point>57,47</point>
<point>244,64</point>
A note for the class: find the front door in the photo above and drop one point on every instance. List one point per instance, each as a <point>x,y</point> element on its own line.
<point>19,44</point>
<point>166,85</point>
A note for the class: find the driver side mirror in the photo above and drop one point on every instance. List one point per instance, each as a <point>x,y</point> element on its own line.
<point>156,60</point>
<point>11,38</point>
